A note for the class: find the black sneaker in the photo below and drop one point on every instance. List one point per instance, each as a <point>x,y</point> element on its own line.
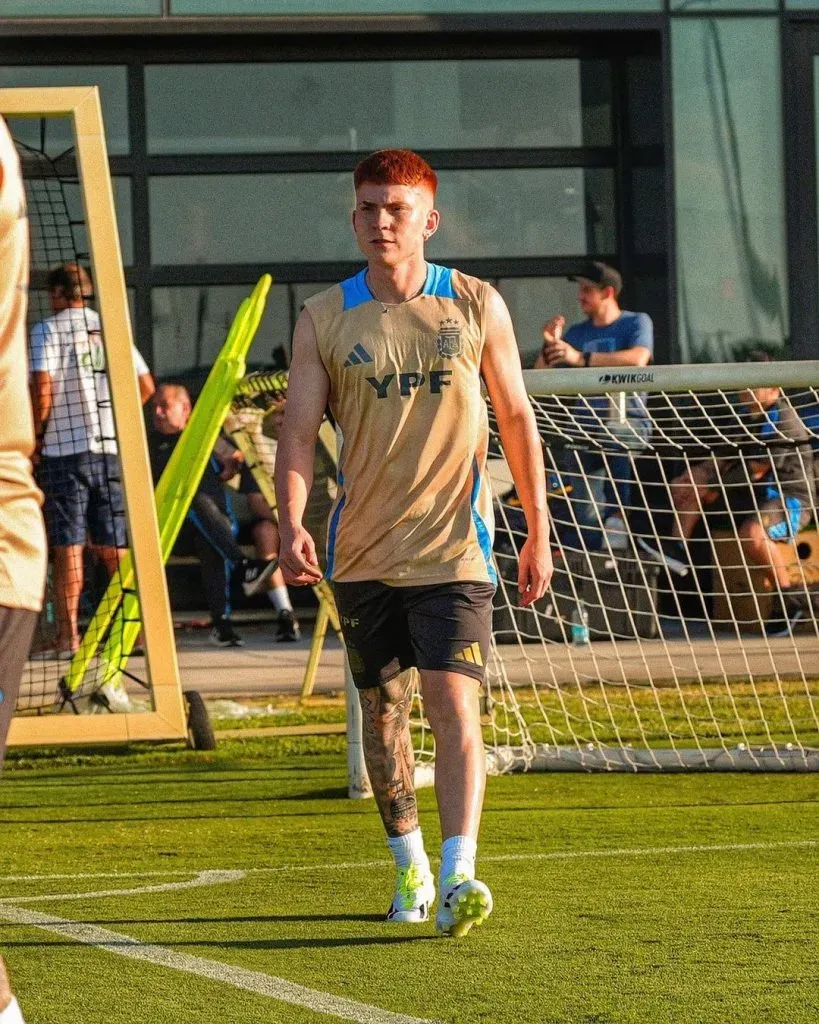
<point>790,611</point>
<point>287,628</point>
<point>224,635</point>
<point>256,573</point>
<point>670,552</point>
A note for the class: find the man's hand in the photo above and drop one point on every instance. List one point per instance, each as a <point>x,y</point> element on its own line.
<point>297,558</point>
<point>534,570</point>
<point>231,464</point>
<point>556,351</point>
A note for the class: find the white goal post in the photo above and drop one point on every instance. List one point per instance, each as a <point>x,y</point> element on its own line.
<point>629,664</point>
<point>166,718</point>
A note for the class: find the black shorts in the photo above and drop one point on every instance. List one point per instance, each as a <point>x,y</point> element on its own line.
<point>444,627</point>
<point>83,500</point>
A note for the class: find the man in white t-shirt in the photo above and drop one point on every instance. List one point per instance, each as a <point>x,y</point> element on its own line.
<point>76,441</point>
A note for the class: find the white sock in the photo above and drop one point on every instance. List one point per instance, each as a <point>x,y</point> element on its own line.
<point>407,849</point>
<point>12,1014</point>
<point>457,858</point>
<point>280,599</point>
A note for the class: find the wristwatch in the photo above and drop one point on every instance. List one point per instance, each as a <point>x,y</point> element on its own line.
<point>587,358</point>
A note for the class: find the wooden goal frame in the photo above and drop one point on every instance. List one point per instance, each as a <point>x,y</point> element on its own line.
<point>167,720</point>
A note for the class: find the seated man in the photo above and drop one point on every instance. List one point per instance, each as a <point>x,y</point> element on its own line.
<point>767,495</point>
<point>208,529</point>
<point>599,481</point>
<point>247,508</point>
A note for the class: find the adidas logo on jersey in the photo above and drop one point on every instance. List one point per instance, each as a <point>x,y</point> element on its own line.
<point>471,655</point>
<point>358,356</point>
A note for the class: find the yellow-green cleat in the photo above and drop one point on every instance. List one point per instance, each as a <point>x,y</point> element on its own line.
<point>463,903</point>
<point>414,895</point>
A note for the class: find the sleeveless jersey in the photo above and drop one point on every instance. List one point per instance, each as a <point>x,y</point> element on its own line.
<point>414,505</point>
<point>22,538</point>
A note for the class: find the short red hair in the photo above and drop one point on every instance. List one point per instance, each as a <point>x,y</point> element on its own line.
<point>395,167</point>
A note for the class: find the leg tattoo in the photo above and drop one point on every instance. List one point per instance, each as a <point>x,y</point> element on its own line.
<point>388,752</point>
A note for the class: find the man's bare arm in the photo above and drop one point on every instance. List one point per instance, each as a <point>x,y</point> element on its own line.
<point>501,371</point>
<point>41,403</point>
<point>147,388</point>
<point>308,388</point>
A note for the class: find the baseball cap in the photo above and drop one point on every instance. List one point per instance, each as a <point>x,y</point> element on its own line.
<point>600,274</point>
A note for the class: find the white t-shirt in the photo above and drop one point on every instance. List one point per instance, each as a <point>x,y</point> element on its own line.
<point>69,347</point>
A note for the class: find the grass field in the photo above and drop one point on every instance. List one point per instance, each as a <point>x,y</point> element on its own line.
<point>618,898</point>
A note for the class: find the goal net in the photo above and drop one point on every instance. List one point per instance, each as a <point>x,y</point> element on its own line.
<point>680,630</point>
<point>91,461</point>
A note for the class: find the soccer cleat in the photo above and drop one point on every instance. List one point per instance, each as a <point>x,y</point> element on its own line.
<point>465,902</point>
<point>414,895</point>
<point>224,635</point>
<point>287,628</point>
<point>256,573</point>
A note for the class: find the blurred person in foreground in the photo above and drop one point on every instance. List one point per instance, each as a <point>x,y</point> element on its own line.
<point>22,537</point>
<point>399,352</point>
<point>600,482</point>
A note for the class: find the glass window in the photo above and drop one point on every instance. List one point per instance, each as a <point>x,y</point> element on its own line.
<point>190,326</point>
<point>534,300</point>
<point>724,5</point>
<point>247,218</point>
<point>408,6</point>
<point>244,108</point>
<point>803,5</point>
<point>648,209</point>
<point>731,266</point>
<point>57,222</point>
<point>80,8</point>
<point>56,132</point>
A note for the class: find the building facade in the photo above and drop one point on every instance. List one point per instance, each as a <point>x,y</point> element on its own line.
<point>675,139</point>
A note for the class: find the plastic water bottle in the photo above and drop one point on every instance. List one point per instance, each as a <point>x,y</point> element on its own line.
<point>580,625</point>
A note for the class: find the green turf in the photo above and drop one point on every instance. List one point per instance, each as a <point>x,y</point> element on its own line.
<point>711,936</point>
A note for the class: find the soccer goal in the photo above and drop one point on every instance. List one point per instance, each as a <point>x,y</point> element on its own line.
<point>95,427</point>
<point>681,630</point>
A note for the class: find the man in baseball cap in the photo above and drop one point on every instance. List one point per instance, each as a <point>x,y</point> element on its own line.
<point>609,336</point>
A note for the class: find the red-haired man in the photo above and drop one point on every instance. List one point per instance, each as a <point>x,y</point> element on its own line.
<point>399,352</point>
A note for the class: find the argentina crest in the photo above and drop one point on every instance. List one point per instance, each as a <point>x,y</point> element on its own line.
<point>449,338</point>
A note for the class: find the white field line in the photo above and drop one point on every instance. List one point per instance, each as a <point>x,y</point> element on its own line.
<point>639,851</point>
<point>202,878</point>
<point>238,977</point>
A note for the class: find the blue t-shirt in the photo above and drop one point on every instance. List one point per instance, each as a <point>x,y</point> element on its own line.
<point>628,331</point>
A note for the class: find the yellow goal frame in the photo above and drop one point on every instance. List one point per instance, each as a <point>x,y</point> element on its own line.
<point>168,720</point>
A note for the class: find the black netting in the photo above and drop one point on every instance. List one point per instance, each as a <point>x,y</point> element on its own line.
<point>77,463</point>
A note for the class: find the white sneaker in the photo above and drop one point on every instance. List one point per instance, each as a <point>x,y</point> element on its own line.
<point>465,903</point>
<point>113,698</point>
<point>414,895</point>
<point>616,533</point>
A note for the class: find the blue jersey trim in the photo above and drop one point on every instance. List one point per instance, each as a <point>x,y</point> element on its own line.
<point>355,291</point>
<point>769,428</point>
<point>333,531</point>
<point>439,282</point>
<point>484,540</point>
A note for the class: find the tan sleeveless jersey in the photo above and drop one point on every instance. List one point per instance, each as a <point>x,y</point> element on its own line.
<point>22,539</point>
<point>414,504</point>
